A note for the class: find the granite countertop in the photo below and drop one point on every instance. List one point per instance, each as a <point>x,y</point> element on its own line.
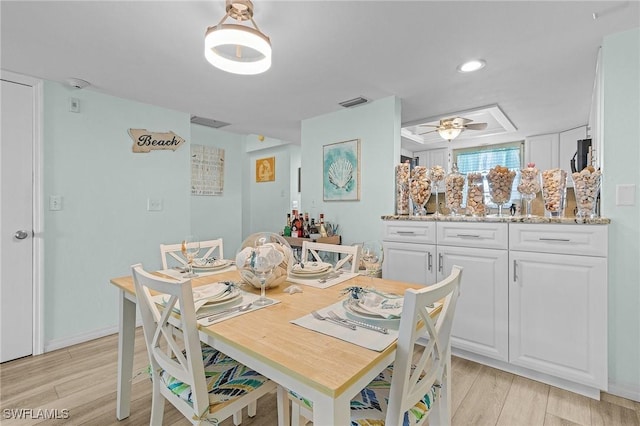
<point>504,219</point>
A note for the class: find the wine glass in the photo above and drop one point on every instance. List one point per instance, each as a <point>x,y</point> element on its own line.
<point>190,248</point>
<point>263,260</point>
<point>372,256</point>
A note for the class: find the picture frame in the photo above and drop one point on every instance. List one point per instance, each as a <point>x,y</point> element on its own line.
<point>341,171</point>
<point>266,169</point>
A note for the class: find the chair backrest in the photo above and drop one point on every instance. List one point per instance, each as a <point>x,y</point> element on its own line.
<point>433,354</point>
<point>352,253</point>
<point>207,249</point>
<point>159,325</point>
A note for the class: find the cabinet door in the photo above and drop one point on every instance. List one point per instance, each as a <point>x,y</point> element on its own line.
<point>437,157</point>
<point>413,263</point>
<point>558,315</point>
<point>543,150</point>
<point>480,323</point>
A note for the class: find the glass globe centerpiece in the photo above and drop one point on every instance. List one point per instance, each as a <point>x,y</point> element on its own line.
<point>264,261</point>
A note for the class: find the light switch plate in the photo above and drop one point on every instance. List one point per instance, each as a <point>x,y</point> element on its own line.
<point>154,204</point>
<point>74,105</point>
<point>626,195</point>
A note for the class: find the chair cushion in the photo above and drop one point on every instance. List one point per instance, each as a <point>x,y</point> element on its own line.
<point>226,378</point>
<point>369,407</point>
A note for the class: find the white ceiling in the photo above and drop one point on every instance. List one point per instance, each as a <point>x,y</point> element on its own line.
<point>541,57</point>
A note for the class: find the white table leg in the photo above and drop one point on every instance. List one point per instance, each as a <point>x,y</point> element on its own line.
<point>330,412</point>
<point>126,340</point>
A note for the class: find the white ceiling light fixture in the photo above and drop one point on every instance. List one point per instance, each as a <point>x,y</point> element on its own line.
<point>471,66</point>
<point>238,49</point>
<point>449,133</point>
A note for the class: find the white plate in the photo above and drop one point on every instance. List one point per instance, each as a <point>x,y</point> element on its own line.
<point>351,308</point>
<point>311,268</point>
<point>212,309</point>
<point>222,302</point>
<point>217,264</point>
<point>310,276</point>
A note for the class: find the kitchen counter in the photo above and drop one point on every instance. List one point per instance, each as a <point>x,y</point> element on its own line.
<point>503,219</point>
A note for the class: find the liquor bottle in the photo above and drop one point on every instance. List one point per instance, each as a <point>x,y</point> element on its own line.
<point>294,227</point>
<point>323,230</point>
<point>300,226</point>
<point>313,229</point>
<point>287,228</point>
<point>306,225</point>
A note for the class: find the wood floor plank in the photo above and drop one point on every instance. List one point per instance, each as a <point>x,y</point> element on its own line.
<point>551,420</point>
<point>605,413</point>
<point>623,402</point>
<point>483,403</point>
<point>570,406</point>
<point>464,373</point>
<point>526,403</point>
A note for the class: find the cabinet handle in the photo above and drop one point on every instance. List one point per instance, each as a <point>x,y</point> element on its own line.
<point>440,262</point>
<point>515,275</point>
<point>405,232</point>
<point>467,236</point>
<point>429,263</point>
<point>555,239</point>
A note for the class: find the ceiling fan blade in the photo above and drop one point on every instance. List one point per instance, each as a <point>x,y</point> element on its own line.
<point>430,131</point>
<point>428,125</point>
<point>476,126</point>
<point>460,121</point>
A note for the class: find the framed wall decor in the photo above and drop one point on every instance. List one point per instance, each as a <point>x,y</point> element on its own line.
<point>266,169</point>
<point>341,171</point>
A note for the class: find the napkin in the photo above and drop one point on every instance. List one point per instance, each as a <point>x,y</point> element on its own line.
<point>375,304</point>
<point>201,295</point>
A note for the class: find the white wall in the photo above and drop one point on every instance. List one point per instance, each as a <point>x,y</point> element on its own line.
<point>621,77</point>
<point>104,226</point>
<point>219,216</point>
<point>377,125</point>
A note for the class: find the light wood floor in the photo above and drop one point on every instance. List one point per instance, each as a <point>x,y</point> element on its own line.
<point>82,379</point>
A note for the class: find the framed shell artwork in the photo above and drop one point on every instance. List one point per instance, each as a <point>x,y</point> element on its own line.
<point>341,171</point>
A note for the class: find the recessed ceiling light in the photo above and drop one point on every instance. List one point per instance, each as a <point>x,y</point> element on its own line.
<point>471,66</point>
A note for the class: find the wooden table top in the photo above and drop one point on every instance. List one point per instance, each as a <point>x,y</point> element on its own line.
<point>323,362</point>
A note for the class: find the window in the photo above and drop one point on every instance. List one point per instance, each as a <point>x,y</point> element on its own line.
<point>482,159</point>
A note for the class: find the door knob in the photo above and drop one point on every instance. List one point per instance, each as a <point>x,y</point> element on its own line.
<point>21,235</point>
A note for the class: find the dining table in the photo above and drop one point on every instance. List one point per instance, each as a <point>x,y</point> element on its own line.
<point>327,370</point>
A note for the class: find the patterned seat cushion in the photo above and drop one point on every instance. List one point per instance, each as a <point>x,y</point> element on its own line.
<point>369,407</point>
<point>226,378</point>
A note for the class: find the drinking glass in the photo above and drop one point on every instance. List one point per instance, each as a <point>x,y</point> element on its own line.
<point>264,259</point>
<point>190,248</point>
<point>372,256</point>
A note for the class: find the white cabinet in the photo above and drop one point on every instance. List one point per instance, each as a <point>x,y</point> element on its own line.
<point>409,262</point>
<point>558,301</point>
<point>557,316</point>
<point>481,320</point>
<point>409,251</point>
<point>542,150</point>
<point>533,297</point>
<point>432,157</point>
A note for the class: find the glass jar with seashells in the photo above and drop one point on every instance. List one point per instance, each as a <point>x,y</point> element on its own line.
<point>475,194</point>
<point>437,176</point>
<point>402,189</point>
<point>420,189</point>
<point>453,190</point>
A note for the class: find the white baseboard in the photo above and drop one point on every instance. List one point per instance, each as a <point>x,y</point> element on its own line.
<point>52,345</point>
<point>624,391</point>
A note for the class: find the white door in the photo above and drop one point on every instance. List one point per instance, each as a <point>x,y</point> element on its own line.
<point>482,314</point>
<point>16,225</point>
<point>412,263</point>
<point>558,315</point>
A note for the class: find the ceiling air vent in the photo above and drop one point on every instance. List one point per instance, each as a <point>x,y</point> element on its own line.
<point>208,122</point>
<point>354,102</point>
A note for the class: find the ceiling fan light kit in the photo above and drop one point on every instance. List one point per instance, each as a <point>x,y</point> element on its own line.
<point>241,39</point>
<point>449,133</point>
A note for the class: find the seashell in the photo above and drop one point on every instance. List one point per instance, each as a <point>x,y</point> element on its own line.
<point>340,173</point>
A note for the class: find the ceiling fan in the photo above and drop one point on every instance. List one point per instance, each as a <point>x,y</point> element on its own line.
<point>450,128</point>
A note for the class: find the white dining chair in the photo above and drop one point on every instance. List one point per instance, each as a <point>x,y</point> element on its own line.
<point>417,385</point>
<point>204,384</point>
<point>312,251</point>
<point>210,248</point>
